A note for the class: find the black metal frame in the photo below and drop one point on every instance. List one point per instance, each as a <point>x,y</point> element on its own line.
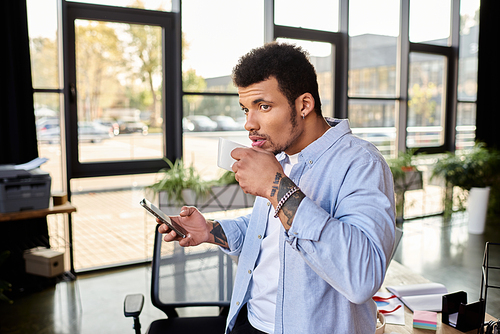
<point>172,126</point>
<point>484,280</point>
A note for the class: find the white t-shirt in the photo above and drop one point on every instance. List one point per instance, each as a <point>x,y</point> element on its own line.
<point>264,285</point>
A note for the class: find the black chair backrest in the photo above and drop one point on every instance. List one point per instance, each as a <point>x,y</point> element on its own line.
<point>192,276</point>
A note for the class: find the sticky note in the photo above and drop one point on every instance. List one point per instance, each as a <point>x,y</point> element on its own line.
<point>425,320</point>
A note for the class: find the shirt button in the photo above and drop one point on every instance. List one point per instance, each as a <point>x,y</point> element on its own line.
<point>259,236</point>
<point>268,203</point>
<point>249,271</point>
<point>310,162</point>
<point>237,303</point>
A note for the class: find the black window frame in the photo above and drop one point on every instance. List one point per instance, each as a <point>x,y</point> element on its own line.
<point>172,81</point>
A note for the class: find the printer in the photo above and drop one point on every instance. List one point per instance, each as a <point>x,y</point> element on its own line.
<point>23,189</point>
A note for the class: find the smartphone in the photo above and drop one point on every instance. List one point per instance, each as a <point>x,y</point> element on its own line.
<point>152,209</point>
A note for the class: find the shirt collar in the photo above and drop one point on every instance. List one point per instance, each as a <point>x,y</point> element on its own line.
<point>339,128</point>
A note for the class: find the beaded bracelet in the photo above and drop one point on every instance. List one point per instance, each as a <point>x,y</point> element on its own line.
<point>284,199</point>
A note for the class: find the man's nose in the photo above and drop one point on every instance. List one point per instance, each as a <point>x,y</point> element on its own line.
<point>251,124</point>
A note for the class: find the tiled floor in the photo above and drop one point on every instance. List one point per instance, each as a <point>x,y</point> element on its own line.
<point>441,251</point>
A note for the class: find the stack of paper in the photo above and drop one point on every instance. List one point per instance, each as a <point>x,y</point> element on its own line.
<point>425,320</point>
<point>424,296</point>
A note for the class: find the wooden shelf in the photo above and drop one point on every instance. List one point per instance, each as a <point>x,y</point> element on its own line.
<point>28,214</point>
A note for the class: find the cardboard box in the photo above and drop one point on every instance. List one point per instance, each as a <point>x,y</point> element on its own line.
<point>44,262</point>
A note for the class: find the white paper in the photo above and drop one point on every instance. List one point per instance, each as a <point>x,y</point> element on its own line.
<point>418,289</point>
<point>432,303</point>
<point>397,317</point>
<point>452,318</point>
<point>422,297</point>
<point>35,163</point>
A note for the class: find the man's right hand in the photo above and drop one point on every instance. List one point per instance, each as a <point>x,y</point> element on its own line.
<point>199,229</point>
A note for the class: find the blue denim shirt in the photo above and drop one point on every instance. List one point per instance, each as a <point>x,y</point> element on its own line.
<point>334,257</point>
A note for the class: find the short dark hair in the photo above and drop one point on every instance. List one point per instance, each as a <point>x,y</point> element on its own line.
<point>288,63</point>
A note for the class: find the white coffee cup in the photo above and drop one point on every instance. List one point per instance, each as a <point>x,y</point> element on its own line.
<point>224,159</point>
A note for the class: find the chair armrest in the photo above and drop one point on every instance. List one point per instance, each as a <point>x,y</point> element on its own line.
<point>133,305</point>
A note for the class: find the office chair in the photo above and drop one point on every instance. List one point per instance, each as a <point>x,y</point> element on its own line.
<point>398,235</point>
<point>202,273</point>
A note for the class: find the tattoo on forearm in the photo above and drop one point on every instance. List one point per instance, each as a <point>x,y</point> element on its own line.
<point>276,182</point>
<point>291,205</point>
<point>218,233</point>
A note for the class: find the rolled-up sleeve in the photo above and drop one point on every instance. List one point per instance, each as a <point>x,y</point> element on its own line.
<point>235,230</point>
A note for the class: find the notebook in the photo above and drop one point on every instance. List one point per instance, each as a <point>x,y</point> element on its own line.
<point>422,297</point>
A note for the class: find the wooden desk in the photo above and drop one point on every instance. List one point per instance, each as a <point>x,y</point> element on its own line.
<point>20,215</point>
<point>398,274</point>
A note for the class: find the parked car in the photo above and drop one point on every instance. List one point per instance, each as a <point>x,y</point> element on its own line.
<point>49,136</point>
<point>226,123</point>
<point>133,126</point>
<point>241,121</point>
<point>111,124</point>
<point>92,132</point>
<point>46,123</point>
<point>202,123</point>
<point>187,125</point>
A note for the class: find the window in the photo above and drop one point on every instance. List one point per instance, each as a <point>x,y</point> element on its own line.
<point>316,15</point>
<point>373,40</point>
<point>388,65</point>
<point>430,21</point>
<point>426,103</point>
<point>467,74</point>
<point>210,100</point>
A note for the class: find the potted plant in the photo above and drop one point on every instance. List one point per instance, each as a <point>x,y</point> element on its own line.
<point>406,177</point>
<point>179,185</point>
<point>475,171</point>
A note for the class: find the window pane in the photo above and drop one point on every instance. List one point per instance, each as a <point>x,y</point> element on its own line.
<point>426,103</point>
<point>108,206</point>
<point>119,89</point>
<point>373,31</point>
<point>47,116</point>
<point>206,118</point>
<point>430,21</point>
<point>375,122</point>
<point>469,35</point>
<point>208,60</point>
<point>322,57</point>
<point>163,5</point>
<point>42,26</point>
<point>317,14</point>
<point>466,125</point>
<point>374,17</point>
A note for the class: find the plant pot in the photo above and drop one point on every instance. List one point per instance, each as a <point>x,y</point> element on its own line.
<point>477,208</point>
<point>220,198</point>
<point>411,181</point>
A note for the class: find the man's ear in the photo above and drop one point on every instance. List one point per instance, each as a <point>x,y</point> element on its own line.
<point>305,104</point>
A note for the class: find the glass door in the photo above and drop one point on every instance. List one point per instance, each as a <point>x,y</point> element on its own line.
<point>123,117</point>
<point>123,69</point>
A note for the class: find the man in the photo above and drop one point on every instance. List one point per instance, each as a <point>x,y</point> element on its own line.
<point>315,248</point>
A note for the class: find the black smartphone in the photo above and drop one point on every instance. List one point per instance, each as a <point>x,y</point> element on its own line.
<point>152,209</point>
